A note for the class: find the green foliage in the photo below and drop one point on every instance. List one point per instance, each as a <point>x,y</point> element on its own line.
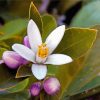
<point>13,32</point>
<point>4,73</point>
<point>89,15</point>
<point>49,24</point>
<point>91,85</point>
<point>18,87</point>
<point>1,52</point>
<point>76,41</point>
<point>89,72</point>
<point>13,29</point>
<point>23,71</point>
<point>12,85</point>
<point>66,75</point>
<point>24,95</point>
<point>35,15</point>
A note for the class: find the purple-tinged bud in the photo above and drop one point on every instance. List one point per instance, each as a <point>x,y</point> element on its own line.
<point>35,89</point>
<point>51,85</point>
<point>12,59</point>
<point>26,42</point>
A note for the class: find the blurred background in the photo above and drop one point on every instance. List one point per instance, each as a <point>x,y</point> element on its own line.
<point>72,13</point>
<point>63,10</point>
<point>69,12</point>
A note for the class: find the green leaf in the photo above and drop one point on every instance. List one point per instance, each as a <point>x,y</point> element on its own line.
<point>91,68</point>
<point>19,86</point>
<point>12,32</point>
<point>4,72</point>
<point>12,85</point>
<point>24,95</point>
<point>49,24</point>
<point>13,29</point>
<point>4,45</point>
<point>90,89</point>
<point>35,15</point>
<point>66,74</point>
<point>24,71</point>
<point>89,15</point>
<point>76,41</point>
<point>52,69</point>
<point>91,85</point>
<point>1,52</point>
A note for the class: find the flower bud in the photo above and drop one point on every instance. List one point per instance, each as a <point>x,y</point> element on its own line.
<point>12,59</point>
<point>26,42</point>
<point>51,85</point>
<point>35,89</point>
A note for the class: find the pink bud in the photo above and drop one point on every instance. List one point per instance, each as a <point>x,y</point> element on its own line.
<point>26,41</point>
<point>35,89</point>
<point>51,85</point>
<point>12,59</point>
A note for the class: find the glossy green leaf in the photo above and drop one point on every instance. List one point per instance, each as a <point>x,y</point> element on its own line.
<point>13,29</point>
<point>24,95</point>
<point>35,15</point>
<point>4,72</point>
<point>66,75</point>
<point>91,85</point>
<point>88,90</point>
<point>19,86</point>
<point>49,24</point>
<point>96,81</point>
<point>1,52</point>
<point>12,85</point>
<point>24,71</point>
<point>76,41</point>
<point>89,15</point>
<point>52,69</point>
<point>91,68</point>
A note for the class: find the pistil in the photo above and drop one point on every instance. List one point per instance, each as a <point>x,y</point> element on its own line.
<point>43,51</point>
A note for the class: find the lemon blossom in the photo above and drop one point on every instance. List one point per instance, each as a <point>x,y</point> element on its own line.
<point>40,53</point>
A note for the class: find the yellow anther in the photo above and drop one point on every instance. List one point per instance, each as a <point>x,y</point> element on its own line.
<point>42,51</point>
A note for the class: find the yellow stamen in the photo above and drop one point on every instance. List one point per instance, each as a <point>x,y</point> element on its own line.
<point>42,51</point>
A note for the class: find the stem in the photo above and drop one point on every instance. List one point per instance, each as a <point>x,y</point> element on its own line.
<point>41,96</point>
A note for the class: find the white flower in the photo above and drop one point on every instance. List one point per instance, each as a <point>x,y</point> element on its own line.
<point>41,53</point>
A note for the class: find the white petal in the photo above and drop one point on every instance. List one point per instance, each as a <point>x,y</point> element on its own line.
<point>58,59</point>
<point>39,71</point>
<point>24,51</point>
<point>54,38</point>
<point>34,35</point>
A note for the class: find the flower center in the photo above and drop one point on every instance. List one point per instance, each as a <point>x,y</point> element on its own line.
<point>42,51</point>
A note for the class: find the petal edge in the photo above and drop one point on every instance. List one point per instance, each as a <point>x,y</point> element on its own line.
<point>39,71</point>
<point>54,38</point>
<point>24,52</point>
<point>33,35</point>
<point>58,59</point>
